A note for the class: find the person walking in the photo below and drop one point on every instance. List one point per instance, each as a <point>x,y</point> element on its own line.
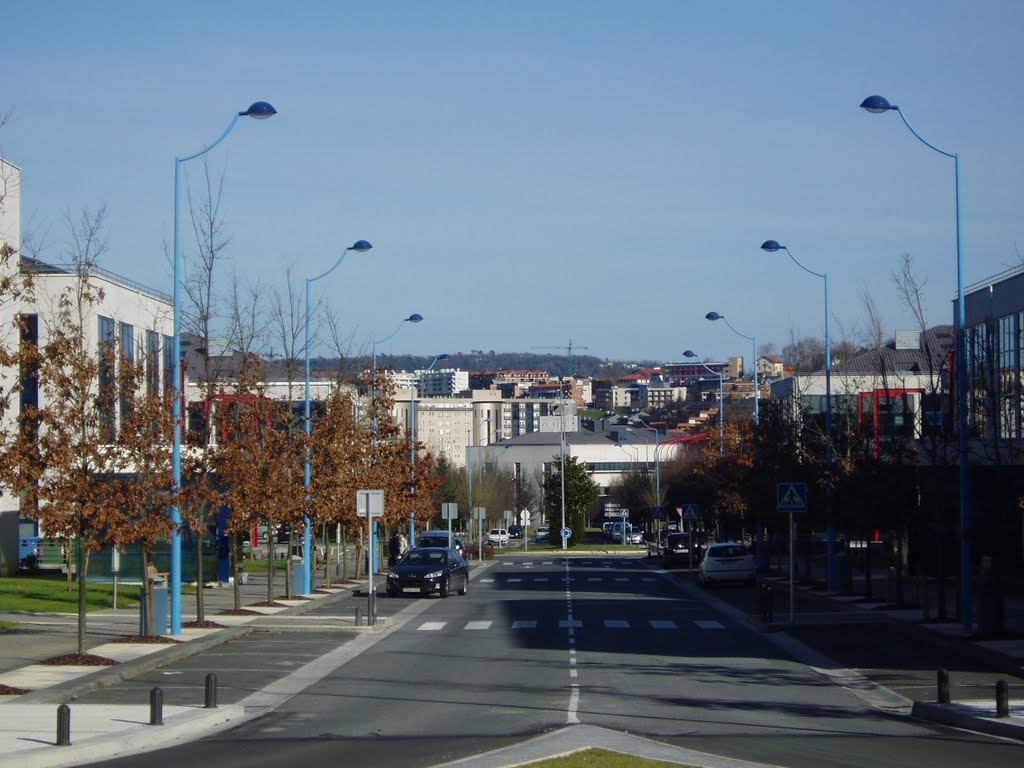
<point>394,549</point>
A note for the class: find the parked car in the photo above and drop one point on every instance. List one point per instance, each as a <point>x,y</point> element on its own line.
<point>498,536</point>
<point>727,562</point>
<point>515,531</point>
<point>543,533</point>
<point>440,539</point>
<point>426,570</point>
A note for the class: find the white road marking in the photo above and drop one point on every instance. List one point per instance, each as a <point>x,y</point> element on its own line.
<point>431,626</point>
<point>616,624</point>
<point>486,581</point>
<point>524,625</point>
<point>479,625</point>
<point>594,578</point>
<point>514,581</point>
<point>660,624</point>
<point>541,580</point>
<point>709,624</point>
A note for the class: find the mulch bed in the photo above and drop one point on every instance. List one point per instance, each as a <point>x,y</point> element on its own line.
<point>297,597</point>
<point>78,660</point>
<point>10,690</point>
<point>265,604</point>
<point>153,639</point>
<point>238,612</point>
<point>203,625</point>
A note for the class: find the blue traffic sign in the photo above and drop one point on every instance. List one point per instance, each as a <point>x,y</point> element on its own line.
<point>691,513</point>
<point>792,497</point>
<point>566,533</point>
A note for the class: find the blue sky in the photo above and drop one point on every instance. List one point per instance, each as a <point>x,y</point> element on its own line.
<point>532,173</point>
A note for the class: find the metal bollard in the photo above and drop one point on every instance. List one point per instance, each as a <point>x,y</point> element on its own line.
<point>359,616</point>
<point>211,691</point>
<point>63,726</point>
<point>1002,699</point>
<point>156,707</point>
<point>943,679</point>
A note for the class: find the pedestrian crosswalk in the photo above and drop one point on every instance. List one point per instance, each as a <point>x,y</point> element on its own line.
<point>573,623</point>
<point>567,579</point>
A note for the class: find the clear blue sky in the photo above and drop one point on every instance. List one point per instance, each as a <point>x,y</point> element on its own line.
<point>532,172</point>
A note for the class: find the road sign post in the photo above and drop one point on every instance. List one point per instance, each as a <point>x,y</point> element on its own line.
<point>479,513</point>
<point>449,512</point>
<point>370,504</point>
<point>690,514</point>
<point>524,520</point>
<point>792,498</point>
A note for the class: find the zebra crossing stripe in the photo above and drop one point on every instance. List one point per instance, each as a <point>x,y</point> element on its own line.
<point>709,624</point>
<point>479,625</point>
<point>616,624</point>
<point>431,626</point>
<point>570,624</point>
<point>524,625</point>
<point>662,624</point>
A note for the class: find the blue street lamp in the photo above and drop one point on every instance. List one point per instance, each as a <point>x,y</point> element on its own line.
<point>877,105</point>
<point>721,400</point>
<point>373,372</point>
<point>412,439</point>
<point>773,246</point>
<point>260,110</point>
<point>359,246</point>
<point>753,345</point>
<point>414,318</point>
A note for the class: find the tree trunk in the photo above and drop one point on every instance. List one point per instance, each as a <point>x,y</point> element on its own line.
<point>147,597</point>
<point>236,588</point>
<point>82,563</point>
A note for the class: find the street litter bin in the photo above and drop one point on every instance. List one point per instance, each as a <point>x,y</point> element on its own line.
<point>298,572</point>
<point>158,590</point>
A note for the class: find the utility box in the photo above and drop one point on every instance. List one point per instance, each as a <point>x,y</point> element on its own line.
<point>158,592</point>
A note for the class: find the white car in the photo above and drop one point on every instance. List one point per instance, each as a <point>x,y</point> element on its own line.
<point>543,533</point>
<point>498,536</point>
<point>727,562</point>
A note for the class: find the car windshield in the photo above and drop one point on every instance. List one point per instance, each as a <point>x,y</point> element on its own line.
<point>423,557</point>
<point>732,550</point>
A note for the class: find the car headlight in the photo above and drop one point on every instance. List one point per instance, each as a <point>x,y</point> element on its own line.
<point>392,575</point>
<point>434,575</point>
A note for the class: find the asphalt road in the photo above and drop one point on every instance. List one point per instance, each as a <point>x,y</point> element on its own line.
<point>539,643</point>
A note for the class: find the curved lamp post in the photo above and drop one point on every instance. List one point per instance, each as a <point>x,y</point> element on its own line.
<point>359,246</point>
<point>773,246</point>
<point>412,439</point>
<point>259,110</point>
<point>878,105</point>
<point>721,400</point>
<point>414,318</point>
<point>753,345</point>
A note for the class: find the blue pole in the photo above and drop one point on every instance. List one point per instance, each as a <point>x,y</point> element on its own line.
<point>257,110</point>
<point>878,105</point>
<point>360,246</point>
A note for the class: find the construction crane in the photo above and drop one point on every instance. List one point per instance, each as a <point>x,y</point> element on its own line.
<point>568,348</point>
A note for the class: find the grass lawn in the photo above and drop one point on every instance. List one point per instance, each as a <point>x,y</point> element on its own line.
<point>600,758</point>
<point>49,593</point>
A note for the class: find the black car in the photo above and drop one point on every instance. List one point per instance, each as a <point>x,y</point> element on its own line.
<point>676,550</point>
<point>425,570</point>
<point>440,539</point>
<point>515,531</point>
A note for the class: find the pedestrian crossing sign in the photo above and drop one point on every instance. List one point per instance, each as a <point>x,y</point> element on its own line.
<point>792,497</point>
<point>691,513</point>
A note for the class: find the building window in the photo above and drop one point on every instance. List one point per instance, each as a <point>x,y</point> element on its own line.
<point>127,358</point>
<point>107,383</point>
<point>29,364</point>
<point>152,363</point>
<point>1007,380</point>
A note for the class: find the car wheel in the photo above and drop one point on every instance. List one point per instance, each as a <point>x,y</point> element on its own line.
<point>446,587</point>
<point>465,586</point>
<point>392,592</point>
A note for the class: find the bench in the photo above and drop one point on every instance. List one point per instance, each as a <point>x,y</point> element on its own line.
<point>154,575</point>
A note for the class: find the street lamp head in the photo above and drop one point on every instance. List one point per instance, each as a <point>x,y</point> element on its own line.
<point>360,246</point>
<point>443,356</point>
<point>689,353</point>
<point>414,318</point>
<point>772,246</point>
<point>877,104</point>
<point>259,110</point>
<point>714,316</point>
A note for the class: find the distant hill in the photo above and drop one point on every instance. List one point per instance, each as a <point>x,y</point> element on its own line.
<point>478,360</point>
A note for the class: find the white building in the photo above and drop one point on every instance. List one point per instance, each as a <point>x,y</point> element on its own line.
<point>138,320</point>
